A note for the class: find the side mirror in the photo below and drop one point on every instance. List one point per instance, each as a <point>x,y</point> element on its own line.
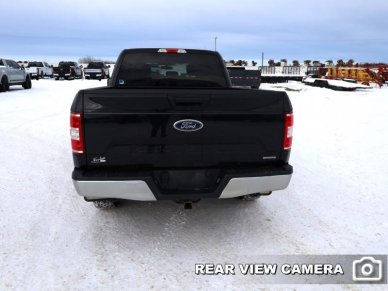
<point>22,67</point>
<point>108,66</point>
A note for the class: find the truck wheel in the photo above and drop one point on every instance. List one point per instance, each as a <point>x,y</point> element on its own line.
<point>4,84</point>
<point>105,204</point>
<point>27,84</point>
<point>250,197</point>
<point>254,196</point>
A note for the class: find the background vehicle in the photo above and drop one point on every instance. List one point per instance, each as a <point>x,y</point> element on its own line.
<point>68,70</point>
<point>170,127</point>
<point>97,70</point>
<point>241,77</point>
<point>39,70</point>
<point>13,74</point>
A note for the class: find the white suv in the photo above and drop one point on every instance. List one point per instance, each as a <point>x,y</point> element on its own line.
<point>13,74</point>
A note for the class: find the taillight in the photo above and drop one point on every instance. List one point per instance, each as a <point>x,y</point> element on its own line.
<point>76,133</point>
<point>172,50</point>
<point>288,126</point>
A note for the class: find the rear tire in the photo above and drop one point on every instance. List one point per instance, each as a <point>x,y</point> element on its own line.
<point>254,196</point>
<point>4,84</point>
<point>105,204</point>
<point>27,84</point>
<point>250,197</point>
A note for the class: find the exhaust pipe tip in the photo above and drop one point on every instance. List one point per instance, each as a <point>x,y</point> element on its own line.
<point>188,205</point>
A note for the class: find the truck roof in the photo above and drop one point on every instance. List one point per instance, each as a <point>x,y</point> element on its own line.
<point>154,50</point>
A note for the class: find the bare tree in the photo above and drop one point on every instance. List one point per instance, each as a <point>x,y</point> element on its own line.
<point>340,63</point>
<point>350,63</point>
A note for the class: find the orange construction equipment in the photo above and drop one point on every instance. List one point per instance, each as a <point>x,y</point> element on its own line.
<point>363,75</point>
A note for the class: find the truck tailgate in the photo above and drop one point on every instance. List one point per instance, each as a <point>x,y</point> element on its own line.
<point>125,127</point>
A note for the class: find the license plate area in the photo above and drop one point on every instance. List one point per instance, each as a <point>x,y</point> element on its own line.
<point>187,181</point>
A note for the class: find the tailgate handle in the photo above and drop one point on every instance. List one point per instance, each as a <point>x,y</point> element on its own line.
<point>188,101</point>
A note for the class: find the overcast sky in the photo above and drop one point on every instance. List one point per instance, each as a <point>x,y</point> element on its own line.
<point>329,29</point>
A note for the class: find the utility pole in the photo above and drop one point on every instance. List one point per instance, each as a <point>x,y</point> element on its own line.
<point>262,60</point>
<point>215,43</point>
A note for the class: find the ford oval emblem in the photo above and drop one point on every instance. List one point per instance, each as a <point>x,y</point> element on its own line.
<point>188,125</point>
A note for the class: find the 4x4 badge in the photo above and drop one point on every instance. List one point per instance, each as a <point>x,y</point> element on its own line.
<point>98,160</point>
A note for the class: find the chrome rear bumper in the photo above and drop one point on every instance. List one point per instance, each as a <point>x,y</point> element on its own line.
<point>140,191</point>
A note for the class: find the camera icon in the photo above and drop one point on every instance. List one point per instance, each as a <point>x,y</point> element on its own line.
<point>367,269</point>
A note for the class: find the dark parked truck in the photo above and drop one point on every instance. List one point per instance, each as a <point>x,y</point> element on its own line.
<point>169,126</point>
<point>241,77</point>
<point>67,70</point>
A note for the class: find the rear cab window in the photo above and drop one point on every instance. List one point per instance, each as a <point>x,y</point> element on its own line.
<point>66,64</point>
<point>158,69</point>
<point>95,65</point>
<point>34,64</point>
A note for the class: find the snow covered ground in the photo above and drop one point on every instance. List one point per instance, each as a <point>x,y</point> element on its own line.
<point>337,201</point>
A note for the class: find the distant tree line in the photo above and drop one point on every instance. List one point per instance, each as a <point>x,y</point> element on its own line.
<point>88,59</point>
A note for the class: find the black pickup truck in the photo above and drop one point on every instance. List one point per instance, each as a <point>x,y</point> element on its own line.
<point>169,126</point>
<point>67,70</point>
